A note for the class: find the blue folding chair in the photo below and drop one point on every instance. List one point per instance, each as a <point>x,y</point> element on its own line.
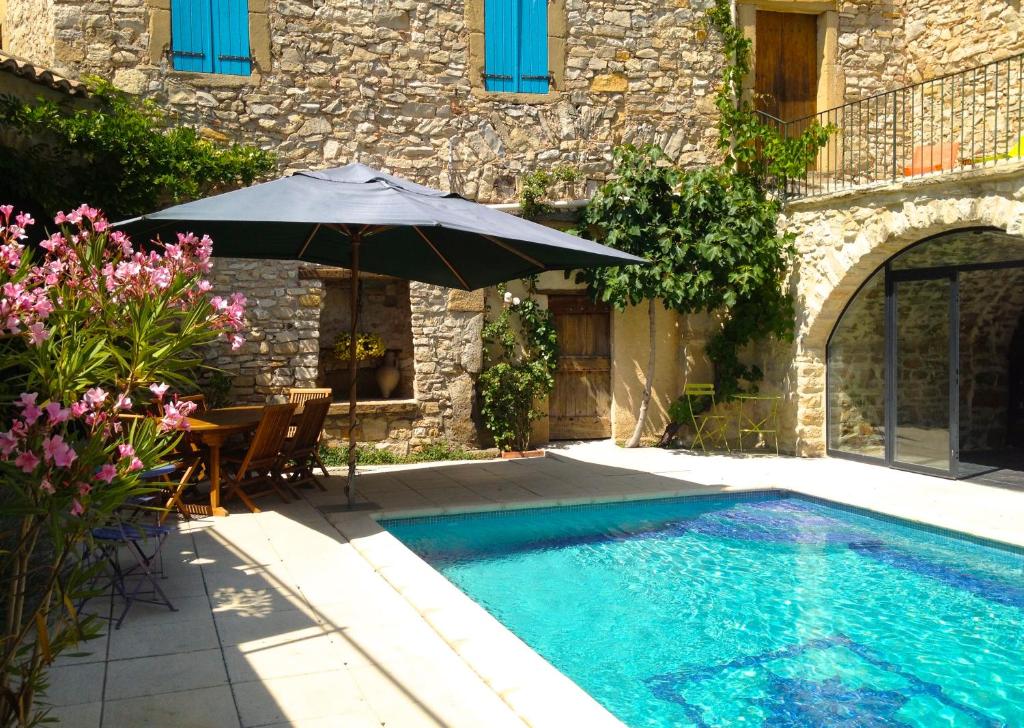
<point>145,543</point>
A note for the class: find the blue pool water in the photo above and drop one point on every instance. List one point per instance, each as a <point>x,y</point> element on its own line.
<point>755,610</point>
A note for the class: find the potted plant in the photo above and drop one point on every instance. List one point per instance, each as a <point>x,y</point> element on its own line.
<point>521,355</point>
<point>368,346</point>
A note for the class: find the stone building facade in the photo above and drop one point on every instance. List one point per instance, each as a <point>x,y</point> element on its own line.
<point>398,85</point>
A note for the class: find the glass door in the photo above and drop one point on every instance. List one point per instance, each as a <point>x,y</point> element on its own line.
<point>923,344</point>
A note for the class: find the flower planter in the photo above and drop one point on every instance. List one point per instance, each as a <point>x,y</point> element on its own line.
<point>515,454</point>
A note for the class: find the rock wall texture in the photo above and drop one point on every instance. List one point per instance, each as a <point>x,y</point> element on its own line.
<point>28,30</point>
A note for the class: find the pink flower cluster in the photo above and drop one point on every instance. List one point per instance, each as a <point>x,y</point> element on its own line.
<point>52,441</point>
<point>123,273</point>
<point>174,414</point>
<point>37,443</point>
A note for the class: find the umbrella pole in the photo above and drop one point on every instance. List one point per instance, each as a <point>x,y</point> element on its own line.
<point>353,371</point>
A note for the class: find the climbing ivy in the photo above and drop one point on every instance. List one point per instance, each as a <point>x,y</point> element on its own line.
<point>754,146</point>
<point>521,355</point>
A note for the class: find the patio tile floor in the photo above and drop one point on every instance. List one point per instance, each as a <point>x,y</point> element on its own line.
<point>282,619</point>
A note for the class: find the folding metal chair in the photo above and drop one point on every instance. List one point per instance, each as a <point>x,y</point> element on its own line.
<point>145,543</point>
<point>708,428</point>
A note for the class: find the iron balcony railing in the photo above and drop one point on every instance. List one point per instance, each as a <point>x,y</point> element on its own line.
<point>961,121</point>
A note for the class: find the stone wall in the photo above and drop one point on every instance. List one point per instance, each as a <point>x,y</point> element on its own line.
<point>28,27</point>
<point>388,84</point>
<point>283,340</point>
<point>942,37</point>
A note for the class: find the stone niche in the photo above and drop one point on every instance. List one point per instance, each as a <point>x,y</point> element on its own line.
<point>384,310</point>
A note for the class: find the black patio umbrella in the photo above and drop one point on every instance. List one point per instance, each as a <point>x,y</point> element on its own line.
<point>362,219</point>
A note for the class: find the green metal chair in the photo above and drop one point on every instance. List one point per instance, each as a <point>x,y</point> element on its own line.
<point>761,422</point>
<point>708,428</point>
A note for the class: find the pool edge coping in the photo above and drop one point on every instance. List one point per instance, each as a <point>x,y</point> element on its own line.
<point>529,684</point>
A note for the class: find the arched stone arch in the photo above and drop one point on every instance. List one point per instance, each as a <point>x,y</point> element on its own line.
<point>841,245</point>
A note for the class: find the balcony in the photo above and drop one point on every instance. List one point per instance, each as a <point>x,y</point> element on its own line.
<point>959,122</point>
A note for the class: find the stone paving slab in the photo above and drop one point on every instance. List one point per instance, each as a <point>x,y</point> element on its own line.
<point>297,616</point>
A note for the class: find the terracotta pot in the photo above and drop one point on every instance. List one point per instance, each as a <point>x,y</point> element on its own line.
<point>513,454</point>
<point>388,375</point>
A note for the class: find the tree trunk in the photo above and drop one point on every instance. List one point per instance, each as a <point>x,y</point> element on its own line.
<point>645,402</point>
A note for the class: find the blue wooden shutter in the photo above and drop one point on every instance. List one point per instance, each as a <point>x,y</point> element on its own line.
<point>231,37</point>
<point>191,39</point>
<point>501,45</point>
<point>533,47</point>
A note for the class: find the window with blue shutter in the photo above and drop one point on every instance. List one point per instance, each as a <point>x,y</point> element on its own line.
<point>516,46</point>
<point>211,36</point>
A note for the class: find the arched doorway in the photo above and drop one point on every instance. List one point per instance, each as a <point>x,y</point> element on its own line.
<point>922,365</point>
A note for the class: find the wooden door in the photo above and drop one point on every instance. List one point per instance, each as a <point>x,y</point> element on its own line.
<point>580,405</point>
<point>786,64</point>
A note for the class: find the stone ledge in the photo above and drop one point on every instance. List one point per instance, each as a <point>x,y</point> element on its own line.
<point>377,407</point>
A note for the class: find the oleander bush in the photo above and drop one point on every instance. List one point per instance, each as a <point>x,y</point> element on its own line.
<point>91,327</point>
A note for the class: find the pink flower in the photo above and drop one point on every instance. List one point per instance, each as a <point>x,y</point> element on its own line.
<point>78,409</point>
<point>37,334</point>
<point>204,285</point>
<point>29,412</point>
<point>8,442</point>
<point>174,416</point>
<point>27,461</point>
<point>47,486</point>
<point>124,402</point>
<point>134,465</point>
<point>95,397</point>
<point>58,452</point>
<point>56,414</point>
<point>107,473</point>
<point>236,341</point>
<point>83,488</point>
<point>158,390</point>
<point>125,451</point>
<point>6,211</point>
<point>76,507</point>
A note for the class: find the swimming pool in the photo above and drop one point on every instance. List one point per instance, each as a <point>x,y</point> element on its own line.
<point>756,609</point>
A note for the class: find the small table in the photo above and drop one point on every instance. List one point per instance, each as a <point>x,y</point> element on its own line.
<point>212,428</point>
<point>750,421</point>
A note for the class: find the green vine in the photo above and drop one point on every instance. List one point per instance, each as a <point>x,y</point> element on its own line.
<point>521,355</point>
<point>536,186</point>
<point>753,145</point>
<point>148,159</point>
<point>710,235</point>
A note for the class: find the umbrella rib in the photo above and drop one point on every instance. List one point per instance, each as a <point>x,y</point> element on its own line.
<point>441,256</point>
<point>509,248</point>
<point>302,250</point>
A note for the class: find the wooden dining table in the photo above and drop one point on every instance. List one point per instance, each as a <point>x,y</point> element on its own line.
<point>212,428</point>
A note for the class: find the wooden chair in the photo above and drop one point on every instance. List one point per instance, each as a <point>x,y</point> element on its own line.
<point>259,464</point>
<point>708,428</point>
<point>300,396</point>
<point>300,451</point>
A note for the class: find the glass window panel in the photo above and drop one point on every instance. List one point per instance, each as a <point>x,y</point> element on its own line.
<point>922,373</point>
<point>856,375</point>
<point>962,248</point>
